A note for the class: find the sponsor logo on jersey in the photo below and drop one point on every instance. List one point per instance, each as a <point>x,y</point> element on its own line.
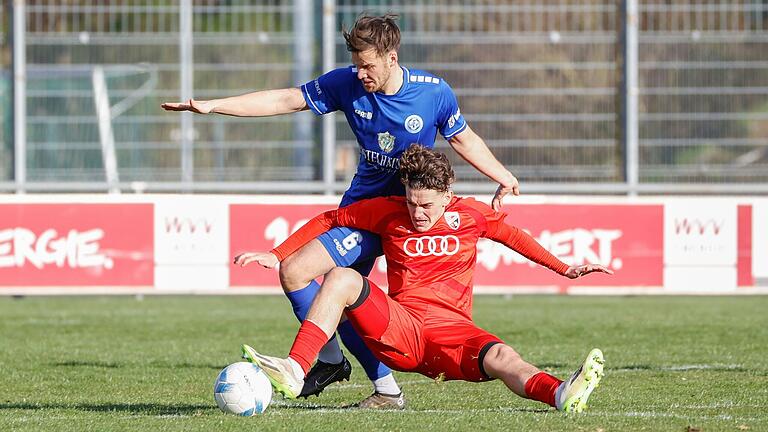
<point>317,87</point>
<point>414,123</point>
<point>364,114</point>
<point>453,219</point>
<point>381,160</point>
<point>431,246</point>
<point>386,141</point>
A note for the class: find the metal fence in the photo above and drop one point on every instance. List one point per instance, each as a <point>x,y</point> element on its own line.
<point>548,84</point>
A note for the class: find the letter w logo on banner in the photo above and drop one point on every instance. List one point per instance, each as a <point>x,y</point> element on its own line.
<point>431,245</point>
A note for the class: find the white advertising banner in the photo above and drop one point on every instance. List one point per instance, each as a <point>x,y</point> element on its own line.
<point>191,243</point>
<point>700,245</point>
<point>700,233</point>
<point>760,239</point>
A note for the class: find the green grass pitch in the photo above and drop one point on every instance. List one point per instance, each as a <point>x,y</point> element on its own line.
<point>116,363</point>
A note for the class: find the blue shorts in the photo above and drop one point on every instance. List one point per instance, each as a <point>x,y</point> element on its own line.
<point>352,248</point>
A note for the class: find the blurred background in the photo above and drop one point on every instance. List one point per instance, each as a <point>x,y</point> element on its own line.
<point>569,94</point>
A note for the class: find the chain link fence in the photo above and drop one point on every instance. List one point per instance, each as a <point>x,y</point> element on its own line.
<point>538,80</point>
<point>704,97</point>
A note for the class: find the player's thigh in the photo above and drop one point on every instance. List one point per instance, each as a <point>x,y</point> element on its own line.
<point>349,247</point>
<point>455,349</point>
<point>392,332</point>
<point>304,265</point>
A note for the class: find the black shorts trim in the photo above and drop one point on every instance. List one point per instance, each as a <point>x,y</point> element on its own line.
<point>364,293</point>
<point>481,356</point>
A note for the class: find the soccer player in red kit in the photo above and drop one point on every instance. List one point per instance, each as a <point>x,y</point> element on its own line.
<point>424,324</point>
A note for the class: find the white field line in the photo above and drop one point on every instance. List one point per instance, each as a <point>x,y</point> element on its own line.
<point>315,409</point>
<point>608,370</point>
<point>642,414</point>
<point>678,368</point>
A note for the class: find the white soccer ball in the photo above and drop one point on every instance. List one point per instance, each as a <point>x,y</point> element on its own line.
<point>243,389</point>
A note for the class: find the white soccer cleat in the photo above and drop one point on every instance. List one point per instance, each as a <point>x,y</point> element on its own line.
<point>572,395</point>
<point>278,370</point>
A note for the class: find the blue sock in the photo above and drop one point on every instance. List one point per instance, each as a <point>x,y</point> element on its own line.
<point>301,301</point>
<point>354,343</point>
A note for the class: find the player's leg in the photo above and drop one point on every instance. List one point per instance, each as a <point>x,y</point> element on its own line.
<point>297,277</point>
<point>341,247</point>
<point>503,362</point>
<point>342,287</point>
<point>379,374</point>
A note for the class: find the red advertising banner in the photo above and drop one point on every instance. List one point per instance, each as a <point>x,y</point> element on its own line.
<point>261,227</point>
<point>626,238</point>
<point>76,245</point>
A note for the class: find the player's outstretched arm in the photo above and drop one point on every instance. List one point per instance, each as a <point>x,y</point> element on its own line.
<point>264,259</point>
<point>574,272</point>
<point>473,149</point>
<point>257,104</point>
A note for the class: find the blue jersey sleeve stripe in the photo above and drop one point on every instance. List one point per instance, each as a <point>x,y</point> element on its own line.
<point>310,102</point>
<point>449,136</point>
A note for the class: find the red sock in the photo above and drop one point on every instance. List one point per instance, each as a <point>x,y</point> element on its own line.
<point>307,344</point>
<point>542,387</point>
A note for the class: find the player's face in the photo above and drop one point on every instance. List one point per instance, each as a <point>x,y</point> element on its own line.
<point>426,206</point>
<point>373,70</point>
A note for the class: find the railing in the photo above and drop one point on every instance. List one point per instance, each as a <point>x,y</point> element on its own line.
<point>573,98</point>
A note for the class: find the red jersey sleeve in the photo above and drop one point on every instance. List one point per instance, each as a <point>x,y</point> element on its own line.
<point>366,214</point>
<point>515,238</point>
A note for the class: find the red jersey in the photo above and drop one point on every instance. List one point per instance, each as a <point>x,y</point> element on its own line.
<point>435,266</point>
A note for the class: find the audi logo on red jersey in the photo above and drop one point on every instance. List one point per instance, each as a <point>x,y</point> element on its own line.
<point>431,245</point>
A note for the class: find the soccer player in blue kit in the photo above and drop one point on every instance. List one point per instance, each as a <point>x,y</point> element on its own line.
<point>388,107</point>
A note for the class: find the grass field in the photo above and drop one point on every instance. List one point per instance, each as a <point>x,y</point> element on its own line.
<point>116,363</point>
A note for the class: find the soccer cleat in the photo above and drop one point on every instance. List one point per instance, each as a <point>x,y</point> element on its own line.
<point>278,370</point>
<point>381,401</point>
<point>572,395</point>
<point>323,374</point>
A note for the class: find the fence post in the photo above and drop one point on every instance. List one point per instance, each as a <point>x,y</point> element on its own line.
<point>629,95</point>
<point>303,62</point>
<point>186,66</point>
<point>329,120</point>
<point>19,95</point>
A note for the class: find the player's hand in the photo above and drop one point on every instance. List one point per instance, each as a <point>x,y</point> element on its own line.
<point>574,272</point>
<point>195,106</point>
<point>264,259</point>
<point>512,189</point>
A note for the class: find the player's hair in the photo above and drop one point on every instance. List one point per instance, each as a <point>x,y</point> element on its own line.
<point>378,32</point>
<point>423,168</point>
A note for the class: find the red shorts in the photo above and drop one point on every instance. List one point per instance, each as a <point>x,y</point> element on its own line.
<point>423,338</point>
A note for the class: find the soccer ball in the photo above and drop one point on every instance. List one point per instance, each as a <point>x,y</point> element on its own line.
<point>243,389</point>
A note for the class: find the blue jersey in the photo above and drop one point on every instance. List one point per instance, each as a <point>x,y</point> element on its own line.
<point>386,125</point>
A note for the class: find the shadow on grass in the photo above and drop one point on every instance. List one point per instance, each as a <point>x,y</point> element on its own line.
<point>77,363</point>
<point>298,406</point>
<point>137,408</point>
<point>156,409</point>
<point>115,365</point>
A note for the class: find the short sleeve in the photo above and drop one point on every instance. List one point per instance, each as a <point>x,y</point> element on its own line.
<point>450,121</point>
<point>323,94</point>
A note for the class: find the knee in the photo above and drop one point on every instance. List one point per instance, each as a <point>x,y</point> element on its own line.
<point>500,357</point>
<point>345,282</point>
<point>291,274</point>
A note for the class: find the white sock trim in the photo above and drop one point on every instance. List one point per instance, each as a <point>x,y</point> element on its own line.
<point>386,385</point>
<point>297,370</point>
